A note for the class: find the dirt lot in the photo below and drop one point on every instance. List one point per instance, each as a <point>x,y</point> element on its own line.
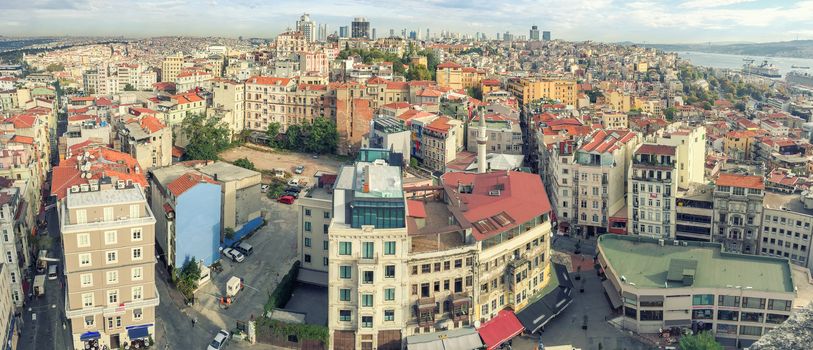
<point>265,158</point>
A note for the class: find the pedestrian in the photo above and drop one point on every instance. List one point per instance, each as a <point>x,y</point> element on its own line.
<point>194,321</point>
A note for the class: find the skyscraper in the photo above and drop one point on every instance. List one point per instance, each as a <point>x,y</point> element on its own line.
<point>427,34</point>
<point>534,33</point>
<point>322,33</point>
<point>360,28</point>
<point>307,27</point>
<point>546,35</point>
<point>372,33</point>
<point>392,33</point>
<point>343,31</point>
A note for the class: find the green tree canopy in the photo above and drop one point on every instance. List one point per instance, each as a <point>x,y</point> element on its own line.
<point>419,72</point>
<point>273,132</point>
<point>669,113</point>
<point>322,136</point>
<point>207,136</point>
<point>244,163</point>
<point>700,341</point>
<point>129,87</point>
<point>55,67</point>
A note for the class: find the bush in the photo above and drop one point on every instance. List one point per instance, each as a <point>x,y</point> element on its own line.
<point>282,294</point>
<point>300,330</point>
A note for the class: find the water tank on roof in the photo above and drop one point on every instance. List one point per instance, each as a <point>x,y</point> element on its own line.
<point>103,124</point>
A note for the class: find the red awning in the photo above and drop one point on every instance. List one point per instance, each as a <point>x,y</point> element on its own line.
<point>500,329</point>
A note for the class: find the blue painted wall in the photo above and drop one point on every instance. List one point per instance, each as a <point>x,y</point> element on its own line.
<point>197,224</point>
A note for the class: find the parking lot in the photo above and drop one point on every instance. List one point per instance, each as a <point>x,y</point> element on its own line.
<point>267,159</point>
<point>274,252</point>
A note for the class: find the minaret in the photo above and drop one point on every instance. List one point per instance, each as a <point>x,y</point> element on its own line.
<point>482,139</point>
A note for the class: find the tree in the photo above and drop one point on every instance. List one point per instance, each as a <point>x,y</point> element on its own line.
<point>129,87</point>
<point>273,133</point>
<point>700,341</point>
<point>293,137</point>
<point>244,163</point>
<point>322,136</point>
<point>187,279</point>
<point>418,72</point>
<point>228,233</point>
<point>669,113</point>
<point>740,106</point>
<point>475,91</point>
<point>207,136</point>
<point>55,67</point>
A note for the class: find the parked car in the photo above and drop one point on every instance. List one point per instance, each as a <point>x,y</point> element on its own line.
<point>292,194</point>
<point>299,169</point>
<point>219,341</point>
<point>52,272</point>
<point>293,182</point>
<point>244,248</point>
<point>234,254</point>
<point>286,199</point>
<point>295,189</point>
<point>264,188</point>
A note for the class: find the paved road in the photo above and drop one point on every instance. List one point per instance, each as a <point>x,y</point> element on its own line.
<point>46,331</point>
<point>274,247</point>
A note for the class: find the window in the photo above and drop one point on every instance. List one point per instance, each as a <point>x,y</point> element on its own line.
<point>83,240</point>
<point>389,315</point>
<point>750,330</point>
<point>112,277</point>
<point>112,296</point>
<point>307,212</point>
<point>137,254</point>
<point>108,214</point>
<point>458,263</point>
<point>780,305</point>
<point>702,314</point>
<point>110,237</point>
<point>344,272</point>
<point>136,234</point>
<point>389,248</point>
<point>84,260</point>
<point>703,299</point>
<point>112,257</point>
<point>325,245</point>
<point>307,258</point>
<point>753,303</point>
<point>344,315</point>
<point>389,271</point>
<point>727,315</point>
<point>138,293</point>
<point>134,211</point>
<point>345,248</point>
<point>651,315</point>
<point>307,242</point>
<point>367,277</point>
<point>367,300</point>
<point>87,300</point>
<point>326,215</point>
<point>325,228</point>
<point>137,273</point>
<point>81,216</point>
<point>367,250</point>
<point>389,294</point>
<point>344,294</point>
<point>307,226</point>
<point>86,280</point>
<point>89,321</point>
<point>9,257</point>
<point>137,314</point>
<point>727,300</point>
<point>752,317</point>
<point>367,321</point>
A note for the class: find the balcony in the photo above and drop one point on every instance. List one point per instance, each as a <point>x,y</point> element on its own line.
<point>460,305</point>
<point>372,260</point>
<point>426,311</point>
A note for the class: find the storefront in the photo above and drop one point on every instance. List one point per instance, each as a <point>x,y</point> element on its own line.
<point>139,336</point>
<point>90,340</point>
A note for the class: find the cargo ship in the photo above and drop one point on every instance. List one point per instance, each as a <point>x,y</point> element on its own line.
<point>765,69</point>
<point>800,67</point>
<point>800,78</point>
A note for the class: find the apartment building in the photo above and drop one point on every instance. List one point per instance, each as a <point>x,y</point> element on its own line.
<point>147,140</point>
<point>388,132</point>
<point>504,134</point>
<point>441,140</point>
<point>738,206</point>
<point>786,227</point>
<point>529,89</point>
<point>177,107</point>
<point>289,43</point>
<point>353,112</point>
<point>315,214</point>
<point>432,259</point>
<point>690,144</point>
<point>267,101</point>
<point>652,190</point>
<point>14,242</point>
<point>661,284</point>
<point>191,79</point>
<point>455,76</point>
<point>171,67</point>
<point>694,208</point>
<point>614,120</point>
<point>602,166</point>
<point>8,322</point>
<point>240,197</point>
<point>229,103</point>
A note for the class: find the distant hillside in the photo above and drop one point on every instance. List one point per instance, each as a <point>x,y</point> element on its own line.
<point>796,48</point>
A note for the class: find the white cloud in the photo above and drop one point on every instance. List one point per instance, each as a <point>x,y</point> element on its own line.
<point>702,4</point>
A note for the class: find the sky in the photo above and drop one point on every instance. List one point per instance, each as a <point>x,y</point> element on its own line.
<point>642,21</point>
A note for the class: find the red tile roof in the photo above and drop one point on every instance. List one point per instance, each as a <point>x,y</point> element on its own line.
<point>440,124</point>
<point>449,64</point>
<point>607,140</point>
<point>187,98</point>
<point>490,82</point>
<point>429,93</point>
<point>736,180</point>
<point>186,181</point>
<point>521,198</point>
<point>151,124</point>
<point>80,117</point>
<point>397,85</point>
<point>22,139</point>
<point>177,152</point>
<point>103,162</point>
<point>261,80</point>
<point>22,121</point>
<point>416,209</point>
<point>656,149</point>
<point>396,105</point>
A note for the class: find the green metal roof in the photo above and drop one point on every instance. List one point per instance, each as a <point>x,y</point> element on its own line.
<point>647,264</point>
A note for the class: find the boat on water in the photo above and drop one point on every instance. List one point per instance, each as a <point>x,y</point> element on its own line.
<point>765,69</point>
<point>800,67</point>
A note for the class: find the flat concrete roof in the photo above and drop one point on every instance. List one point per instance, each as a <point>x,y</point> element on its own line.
<point>644,262</point>
<point>227,172</point>
<point>789,202</point>
<point>111,196</point>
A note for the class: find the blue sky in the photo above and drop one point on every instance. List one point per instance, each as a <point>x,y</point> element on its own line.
<point>651,21</point>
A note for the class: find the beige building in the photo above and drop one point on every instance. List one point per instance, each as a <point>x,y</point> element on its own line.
<point>109,249</point>
<point>7,308</point>
<point>661,284</point>
<point>315,214</point>
<point>475,247</point>
<point>652,190</point>
<point>172,66</point>
<point>229,103</point>
<point>267,101</point>
<point>786,227</point>
<point>738,205</point>
<point>240,188</point>
<point>504,134</point>
<point>147,140</point>
<point>690,143</point>
<point>441,141</point>
<point>530,89</point>
<point>614,121</point>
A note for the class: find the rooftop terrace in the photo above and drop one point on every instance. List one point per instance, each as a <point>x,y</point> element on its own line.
<point>644,262</point>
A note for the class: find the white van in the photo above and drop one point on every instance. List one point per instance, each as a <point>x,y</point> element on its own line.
<point>52,272</point>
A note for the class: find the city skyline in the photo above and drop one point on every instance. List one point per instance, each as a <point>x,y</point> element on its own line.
<point>670,21</point>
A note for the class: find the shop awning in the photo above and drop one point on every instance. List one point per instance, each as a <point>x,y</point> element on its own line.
<point>615,299</point>
<point>138,332</point>
<point>89,336</point>
<point>500,329</point>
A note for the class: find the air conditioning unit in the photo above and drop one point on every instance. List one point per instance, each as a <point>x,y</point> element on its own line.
<point>74,189</point>
<point>119,184</point>
<point>494,193</point>
<point>94,187</point>
<point>84,187</point>
<point>676,243</point>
